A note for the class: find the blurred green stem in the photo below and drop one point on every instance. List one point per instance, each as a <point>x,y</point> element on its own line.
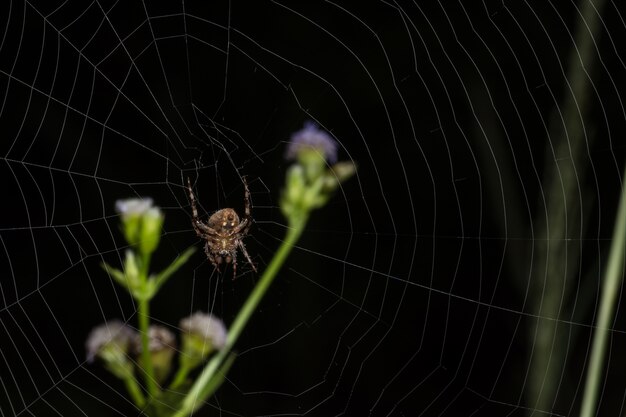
<point>610,290</point>
<point>144,324</point>
<point>180,377</point>
<point>135,391</point>
<point>198,392</point>
<point>293,234</point>
<point>561,218</point>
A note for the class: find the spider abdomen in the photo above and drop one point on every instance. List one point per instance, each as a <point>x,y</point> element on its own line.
<point>224,220</point>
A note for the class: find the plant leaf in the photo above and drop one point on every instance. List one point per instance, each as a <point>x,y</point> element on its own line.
<point>164,275</point>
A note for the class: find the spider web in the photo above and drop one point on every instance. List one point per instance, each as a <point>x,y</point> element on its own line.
<point>458,273</point>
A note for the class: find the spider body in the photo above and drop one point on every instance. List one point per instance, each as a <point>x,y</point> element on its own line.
<point>224,231</point>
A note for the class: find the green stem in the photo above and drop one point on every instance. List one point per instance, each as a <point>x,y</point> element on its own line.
<point>135,391</point>
<point>197,394</point>
<point>144,324</point>
<point>293,234</point>
<point>610,291</point>
<point>180,377</point>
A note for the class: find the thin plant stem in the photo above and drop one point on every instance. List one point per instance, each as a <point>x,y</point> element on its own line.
<point>610,290</point>
<point>144,327</point>
<point>180,377</point>
<point>562,213</point>
<point>144,324</point>
<point>197,394</point>
<point>293,234</point>
<point>135,391</point>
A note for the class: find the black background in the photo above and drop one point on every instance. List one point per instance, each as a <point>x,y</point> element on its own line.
<point>403,296</point>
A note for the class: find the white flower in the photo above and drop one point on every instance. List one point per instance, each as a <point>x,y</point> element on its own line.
<point>110,333</point>
<point>207,327</point>
<point>201,334</point>
<point>141,223</point>
<point>134,206</point>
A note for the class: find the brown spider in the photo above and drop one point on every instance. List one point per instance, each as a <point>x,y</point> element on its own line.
<point>223,232</point>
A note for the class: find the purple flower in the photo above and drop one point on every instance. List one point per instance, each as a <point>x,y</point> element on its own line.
<point>312,138</point>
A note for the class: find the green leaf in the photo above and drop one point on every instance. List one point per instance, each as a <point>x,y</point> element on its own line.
<point>164,275</point>
<point>116,274</point>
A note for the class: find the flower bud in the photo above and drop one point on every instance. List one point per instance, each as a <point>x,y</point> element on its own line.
<point>311,144</point>
<point>110,343</point>
<point>311,181</point>
<point>141,223</point>
<point>162,346</point>
<point>343,170</point>
<point>201,334</point>
<point>131,271</point>
<point>152,222</point>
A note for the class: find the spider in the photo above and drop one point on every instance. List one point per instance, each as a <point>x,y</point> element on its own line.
<point>223,232</point>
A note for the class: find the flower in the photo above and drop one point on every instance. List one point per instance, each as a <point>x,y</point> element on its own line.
<point>112,332</point>
<point>110,342</point>
<point>201,334</point>
<point>159,338</point>
<point>311,139</point>
<point>315,174</point>
<point>133,206</point>
<point>141,222</point>
<point>162,346</point>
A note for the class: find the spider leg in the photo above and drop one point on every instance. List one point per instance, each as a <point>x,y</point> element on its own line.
<point>234,262</point>
<point>246,199</point>
<point>244,226</point>
<point>200,228</point>
<point>194,208</point>
<point>245,253</point>
<point>207,251</point>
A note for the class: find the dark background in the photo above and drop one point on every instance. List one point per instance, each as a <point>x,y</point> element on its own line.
<point>410,293</point>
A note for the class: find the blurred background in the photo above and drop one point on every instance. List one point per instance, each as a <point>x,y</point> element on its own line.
<point>457,274</point>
